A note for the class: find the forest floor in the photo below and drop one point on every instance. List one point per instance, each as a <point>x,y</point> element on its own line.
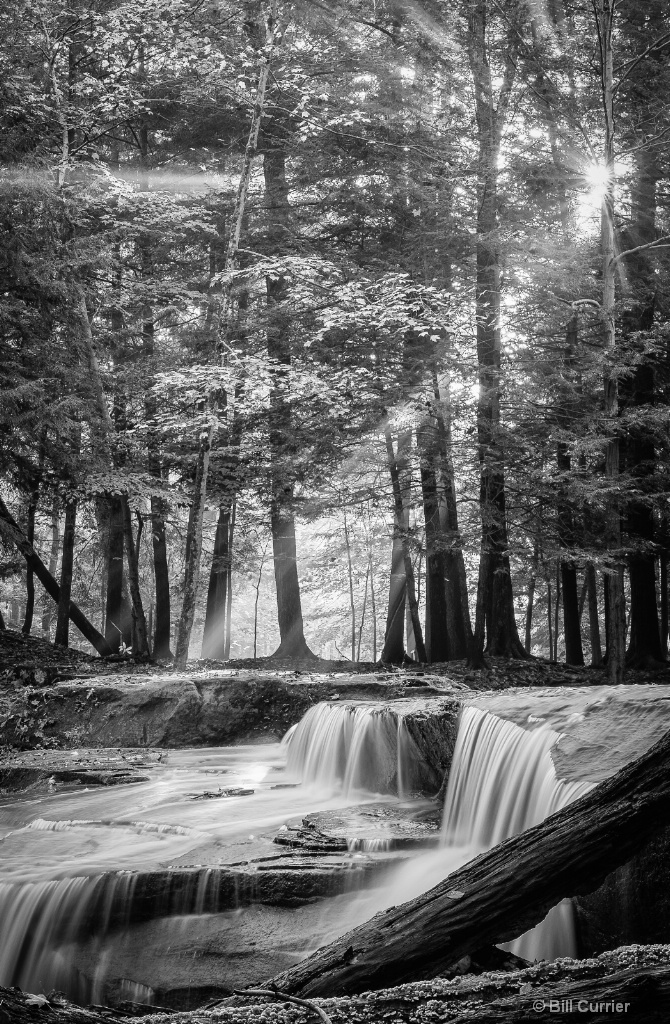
<point>33,661</point>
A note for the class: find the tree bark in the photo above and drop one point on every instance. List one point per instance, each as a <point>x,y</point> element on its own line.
<point>282,446</point>
<point>459,626</point>
<point>400,530</point>
<point>614,582</point>
<point>437,635</point>
<point>639,451</point>
<point>66,567</point>
<point>118,620</point>
<point>140,638</point>
<point>30,576</point>
<point>594,621</point>
<point>47,614</point>
<point>352,606</point>
<point>193,549</point>
<point>532,580</point>
<point>214,636</point>
<point>501,628</point>
<point>501,893</point>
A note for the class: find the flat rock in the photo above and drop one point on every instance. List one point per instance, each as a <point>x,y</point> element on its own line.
<point>199,709</point>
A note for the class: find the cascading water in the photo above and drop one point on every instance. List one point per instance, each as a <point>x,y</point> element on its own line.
<point>502,781</point>
<point>352,747</point>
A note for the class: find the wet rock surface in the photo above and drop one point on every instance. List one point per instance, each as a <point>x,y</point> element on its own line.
<point>378,826</point>
<point>210,709</point>
<point>51,770</point>
<point>601,728</point>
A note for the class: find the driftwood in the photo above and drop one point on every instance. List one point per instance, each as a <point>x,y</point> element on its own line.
<point>500,894</point>
<point>12,531</point>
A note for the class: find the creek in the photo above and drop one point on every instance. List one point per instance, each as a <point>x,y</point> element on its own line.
<point>172,891</point>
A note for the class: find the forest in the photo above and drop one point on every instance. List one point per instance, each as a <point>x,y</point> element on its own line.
<point>334,511</point>
<point>336,329</point>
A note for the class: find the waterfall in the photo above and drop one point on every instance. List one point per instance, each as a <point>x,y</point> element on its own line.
<point>352,747</point>
<point>503,781</point>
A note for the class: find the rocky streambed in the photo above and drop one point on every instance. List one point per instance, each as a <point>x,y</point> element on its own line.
<point>214,869</point>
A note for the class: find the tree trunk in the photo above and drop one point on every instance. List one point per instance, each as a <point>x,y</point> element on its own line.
<point>664,603</point>
<point>532,580</point>
<point>393,650</point>
<point>639,454</point>
<point>193,549</point>
<point>282,445</point>
<point>437,636</point>
<point>459,627</point>
<point>118,618</point>
<point>501,893</point>
<point>140,638</point>
<point>214,636</point>
<point>30,577</point>
<point>616,619</point>
<point>501,628</point>
<point>557,609</point>
<point>162,628</point>
<point>47,615</point>
<point>399,529</point>
<point>229,583</point>
<point>594,621</point>
<point>352,606</point>
<point>550,625</point>
<point>66,567</point>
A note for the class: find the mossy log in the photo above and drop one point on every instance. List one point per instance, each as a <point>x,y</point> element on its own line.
<point>501,893</point>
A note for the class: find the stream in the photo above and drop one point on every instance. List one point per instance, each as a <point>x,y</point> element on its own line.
<point>171,891</point>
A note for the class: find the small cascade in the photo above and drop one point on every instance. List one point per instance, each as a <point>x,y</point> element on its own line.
<point>502,781</point>
<point>352,747</point>
<point>43,921</point>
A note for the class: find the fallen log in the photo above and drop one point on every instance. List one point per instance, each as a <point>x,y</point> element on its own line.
<point>11,530</point>
<point>501,893</point>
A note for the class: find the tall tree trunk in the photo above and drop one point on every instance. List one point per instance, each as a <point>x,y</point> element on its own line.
<point>33,503</point>
<point>229,583</point>
<point>47,615</point>
<point>193,547</point>
<point>437,638</point>
<point>663,583</point>
<point>66,568</point>
<point>399,524</point>
<point>594,621</point>
<point>496,585</point>
<point>459,627</point>
<point>118,618</point>
<point>282,446</point>
<point>30,579</point>
<point>574,654</point>
<point>550,624</point>
<point>214,636</point>
<point>614,582</point>
<point>393,650</point>
<point>352,606</point>
<point>639,453</point>
<point>532,580</point>
<point>140,637</point>
<point>162,626</point>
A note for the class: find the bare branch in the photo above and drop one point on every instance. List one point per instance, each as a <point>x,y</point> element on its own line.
<point>658,243</point>
<point>273,993</point>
